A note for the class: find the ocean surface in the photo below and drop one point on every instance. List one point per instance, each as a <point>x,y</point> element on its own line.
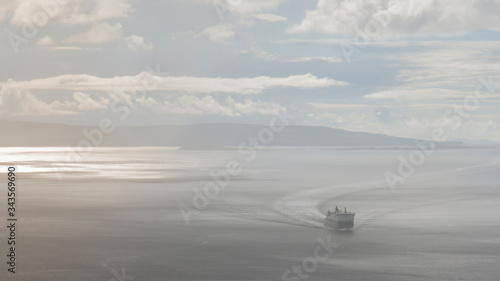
<point>168,214</point>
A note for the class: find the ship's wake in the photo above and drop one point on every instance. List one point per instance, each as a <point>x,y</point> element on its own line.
<point>308,207</point>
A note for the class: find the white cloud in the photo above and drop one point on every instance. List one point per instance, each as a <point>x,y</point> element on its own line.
<point>100,10</point>
<point>84,102</point>
<point>449,64</point>
<point>258,52</point>
<point>136,42</point>
<point>66,12</point>
<point>361,44</point>
<point>192,85</point>
<point>244,7</point>
<point>38,13</point>
<point>6,8</point>
<point>339,106</point>
<point>219,33</point>
<point>270,17</point>
<point>223,32</point>
<point>401,18</point>
<point>209,106</point>
<point>308,59</point>
<point>99,33</point>
<point>418,94</point>
<point>196,105</point>
<point>102,33</point>
<point>69,48</point>
<point>23,12</point>
<point>23,102</point>
<point>45,41</point>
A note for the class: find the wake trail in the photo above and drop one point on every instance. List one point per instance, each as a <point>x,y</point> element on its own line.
<point>307,207</point>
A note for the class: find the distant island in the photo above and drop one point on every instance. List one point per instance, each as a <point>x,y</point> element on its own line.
<point>213,136</point>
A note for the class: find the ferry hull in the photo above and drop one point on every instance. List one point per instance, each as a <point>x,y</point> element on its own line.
<point>339,224</point>
<point>340,220</point>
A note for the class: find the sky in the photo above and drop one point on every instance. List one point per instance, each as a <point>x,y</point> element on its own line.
<point>401,68</point>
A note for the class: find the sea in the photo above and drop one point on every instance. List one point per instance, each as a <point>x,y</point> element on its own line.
<point>156,213</point>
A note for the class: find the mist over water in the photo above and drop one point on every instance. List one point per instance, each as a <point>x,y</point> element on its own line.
<point>119,208</point>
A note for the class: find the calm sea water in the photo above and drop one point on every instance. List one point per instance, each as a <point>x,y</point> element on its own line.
<point>115,213</point>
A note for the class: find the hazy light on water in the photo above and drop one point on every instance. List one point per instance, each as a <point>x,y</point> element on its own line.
<point>436,226</point>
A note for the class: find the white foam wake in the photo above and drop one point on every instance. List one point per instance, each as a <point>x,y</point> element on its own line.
<point>306,207</point>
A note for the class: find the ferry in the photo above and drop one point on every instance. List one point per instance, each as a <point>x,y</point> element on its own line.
<point>339,219</point>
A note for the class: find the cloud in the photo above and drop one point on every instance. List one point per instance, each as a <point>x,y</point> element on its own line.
<point>270,17</point>
<point>449,64</point>
<point>361,44</point>
<point>6,8</point>
<point>38,13</point>
<point>396,18</point>
<point>84,102</point>
<point>69,48</point>
<point>136,42</point>
<point>102,33</point>
<point>66,12</point>
<point>418,94</point>
<point>219,32</point>
<point>258,52</point>
<point>223,32</point>
<point>99,33</point>
<point>193,85</point>
<point>308,59</point>
<point>243,7</point>
<point>100,10</point>
<point>209,106</point>
<point>45,41</point>
<point>339,106</point>
<point>23,102</point>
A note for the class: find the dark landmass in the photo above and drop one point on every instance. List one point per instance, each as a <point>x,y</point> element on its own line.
<point>197,136</point>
